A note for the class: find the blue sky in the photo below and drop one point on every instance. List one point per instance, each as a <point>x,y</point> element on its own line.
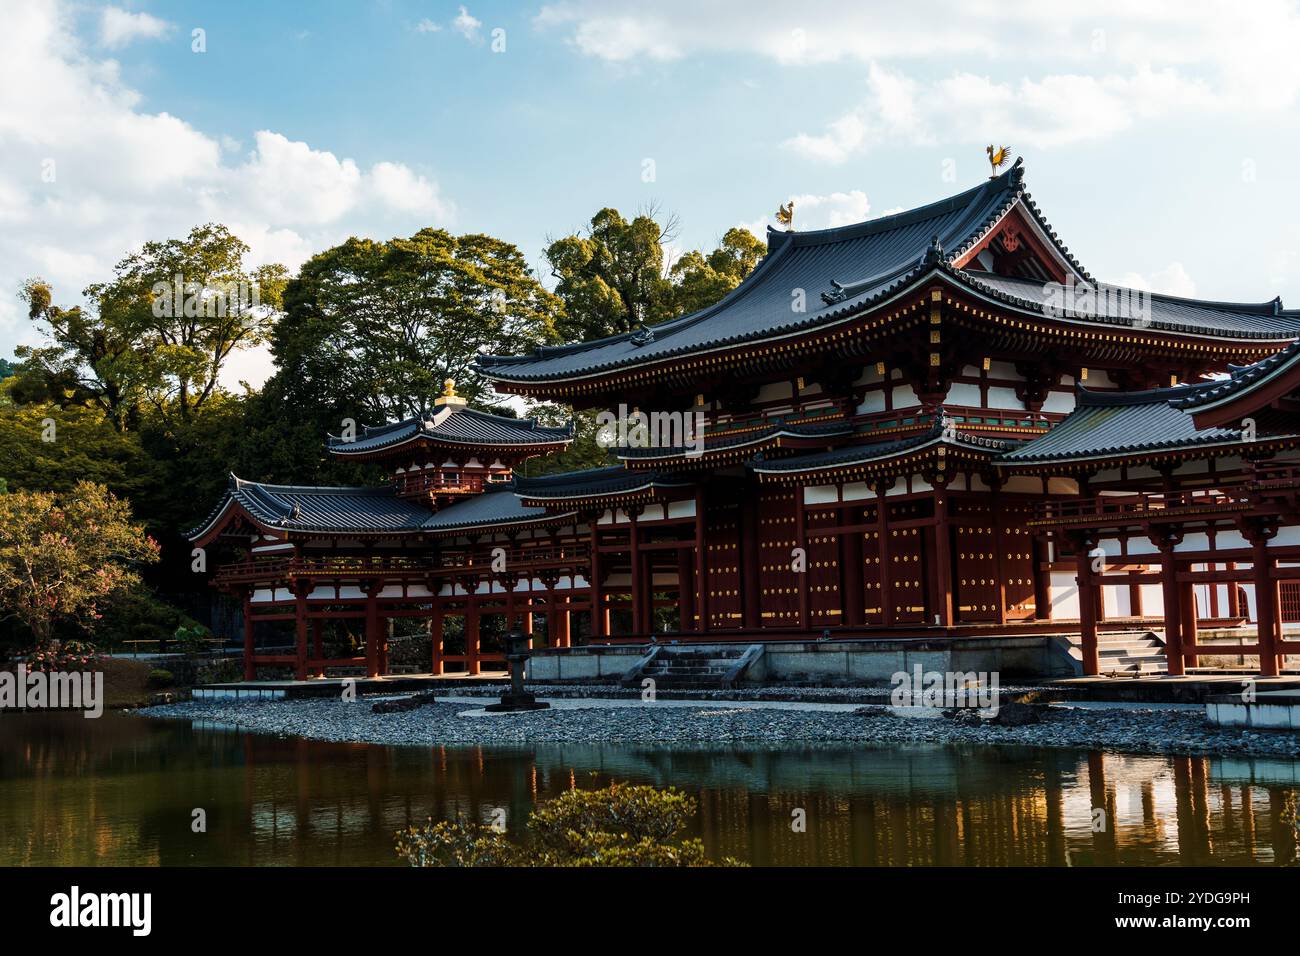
<point>1159,142</point>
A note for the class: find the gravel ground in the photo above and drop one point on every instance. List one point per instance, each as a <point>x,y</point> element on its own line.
<point>1130,730</point>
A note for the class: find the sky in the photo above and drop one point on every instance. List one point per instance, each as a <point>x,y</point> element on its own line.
<point>1159,138</point>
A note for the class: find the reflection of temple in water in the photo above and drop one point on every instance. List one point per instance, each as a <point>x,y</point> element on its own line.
<point>123,791</point>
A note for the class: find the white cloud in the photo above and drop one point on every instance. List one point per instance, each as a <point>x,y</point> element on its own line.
<point>1171,280</point>
<point>119,27</point>
<point>813,211</point>
<point>466,25</point>
<point>87,175</point>
<point>427,26</point>
<point>1041,74</point>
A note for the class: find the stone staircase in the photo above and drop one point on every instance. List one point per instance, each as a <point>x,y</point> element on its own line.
<point>1131,652</point>
<point>685,666</point>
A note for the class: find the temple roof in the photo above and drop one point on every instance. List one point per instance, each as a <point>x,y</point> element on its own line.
<point>863,257</point>
<point>859,266</point>
<point>1242,380</point>
<point>364,510</point>
<point>766,435</point>
<point>453,425</point>
<point>610,481</point>
<point>1110,424</point>
<point>856,455</point>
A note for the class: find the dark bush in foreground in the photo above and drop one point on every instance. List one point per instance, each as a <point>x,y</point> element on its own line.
<point>160,678</point>
<point>618,826</point>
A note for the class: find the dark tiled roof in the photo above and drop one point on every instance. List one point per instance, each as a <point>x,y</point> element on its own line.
<point>498,506</point>
<point>741,439</point>
<point>876,451</point>
<point>306,508</point>
<point>1242,379</point>
<point>1265,320</point>
<point>1105,424</point>
<point>592,483</point>
<point>455,426</point>
<point>874,257</point>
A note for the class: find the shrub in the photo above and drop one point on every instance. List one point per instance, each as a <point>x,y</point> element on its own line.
<point>57,655</point>
<point>618,826</point>
<point>160,678</point>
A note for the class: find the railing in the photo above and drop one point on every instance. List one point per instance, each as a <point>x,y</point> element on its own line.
<point>1139,506</point>
<point>517,560</point>
<point>284,570</point>
<point>1269,475</point>
<point>439,483</point>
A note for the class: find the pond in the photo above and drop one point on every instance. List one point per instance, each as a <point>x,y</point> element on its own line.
<point>122,790</point>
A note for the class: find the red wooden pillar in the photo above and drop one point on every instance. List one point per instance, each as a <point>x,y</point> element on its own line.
<point>1039,548</point>
<point>999,543</point>
<point>435,640</point>
<point>318,645</point>
<point>639,623</point>
<point>471,635</point>
<point>886,556</point>
<point>372,631</point>
<point>942,553</point>
<point>1087,607</point>
<point>801,542</point>
<point>300,632</point>
<point>563,633</point>
<point>1266,594</point>
<point>599,622</point>
<point>250,668</point>
<point>701,561</point>
<point>528,618</point>
<point>751,607</point>
<point>1173,608</point>
<point>685,591</point>
<point>853,612</point>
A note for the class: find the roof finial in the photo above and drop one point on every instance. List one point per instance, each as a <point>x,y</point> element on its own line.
<point>785,215</point>
<point>998,156</point>
<point>449,396</point>
<point>935,252</point>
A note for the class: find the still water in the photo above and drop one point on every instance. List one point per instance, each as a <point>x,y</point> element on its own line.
<point>122,790</point>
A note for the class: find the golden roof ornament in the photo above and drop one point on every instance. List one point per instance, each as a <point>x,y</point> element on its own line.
<point>785,215</point>
<point>449,396</point>
<point>998,156</point>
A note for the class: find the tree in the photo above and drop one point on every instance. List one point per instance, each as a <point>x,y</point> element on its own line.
<point>372,329</point>
<point>616,276</point>
<point>613,278</point>
<point>60,555</point>
<point>620,825</point>
<point>160,331</point>
<point>701,280</point>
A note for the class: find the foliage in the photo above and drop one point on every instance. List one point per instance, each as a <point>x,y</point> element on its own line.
<point>583,452</point>
<point>192,639</point>
<point>159,332</point>
<point>223,670</point>
<point>56,655</point>
<point>137,614</point>
<point>701,280</point>
<point>62,554</point>
<point>159,678</point>
<point>372,329</point>
<point>615,277</point>
<point>620,825</point>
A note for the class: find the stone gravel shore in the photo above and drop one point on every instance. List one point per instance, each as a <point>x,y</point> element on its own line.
<point>1130,730</point>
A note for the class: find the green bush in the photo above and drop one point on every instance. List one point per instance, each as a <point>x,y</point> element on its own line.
<point>138,615</point>
<point>160,678</point>
<point>618,826</point>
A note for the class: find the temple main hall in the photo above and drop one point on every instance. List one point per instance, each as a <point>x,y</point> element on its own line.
<point>931,426</point>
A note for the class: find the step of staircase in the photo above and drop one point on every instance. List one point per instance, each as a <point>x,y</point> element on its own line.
<point>690,667</point>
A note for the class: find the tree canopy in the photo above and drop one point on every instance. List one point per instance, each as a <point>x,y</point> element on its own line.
<point>160,331</point>
<point>372,329</point>
<point>616,277</point>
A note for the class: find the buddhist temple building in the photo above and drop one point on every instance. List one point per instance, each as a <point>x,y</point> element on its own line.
<point>925,426</point>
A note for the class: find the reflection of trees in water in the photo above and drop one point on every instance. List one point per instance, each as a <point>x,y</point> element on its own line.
<point>121,790</point>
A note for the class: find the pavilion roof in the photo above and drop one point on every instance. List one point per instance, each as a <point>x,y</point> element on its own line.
<point>1242,380</point>
<point>1116,424</point>
<point>454,425</point>
<point>861,266</point>
<point>594,483</point>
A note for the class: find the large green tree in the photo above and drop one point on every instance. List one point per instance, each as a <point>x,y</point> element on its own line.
<point>372,329</point>
<point>615,276</point>
<point>159,331</point>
